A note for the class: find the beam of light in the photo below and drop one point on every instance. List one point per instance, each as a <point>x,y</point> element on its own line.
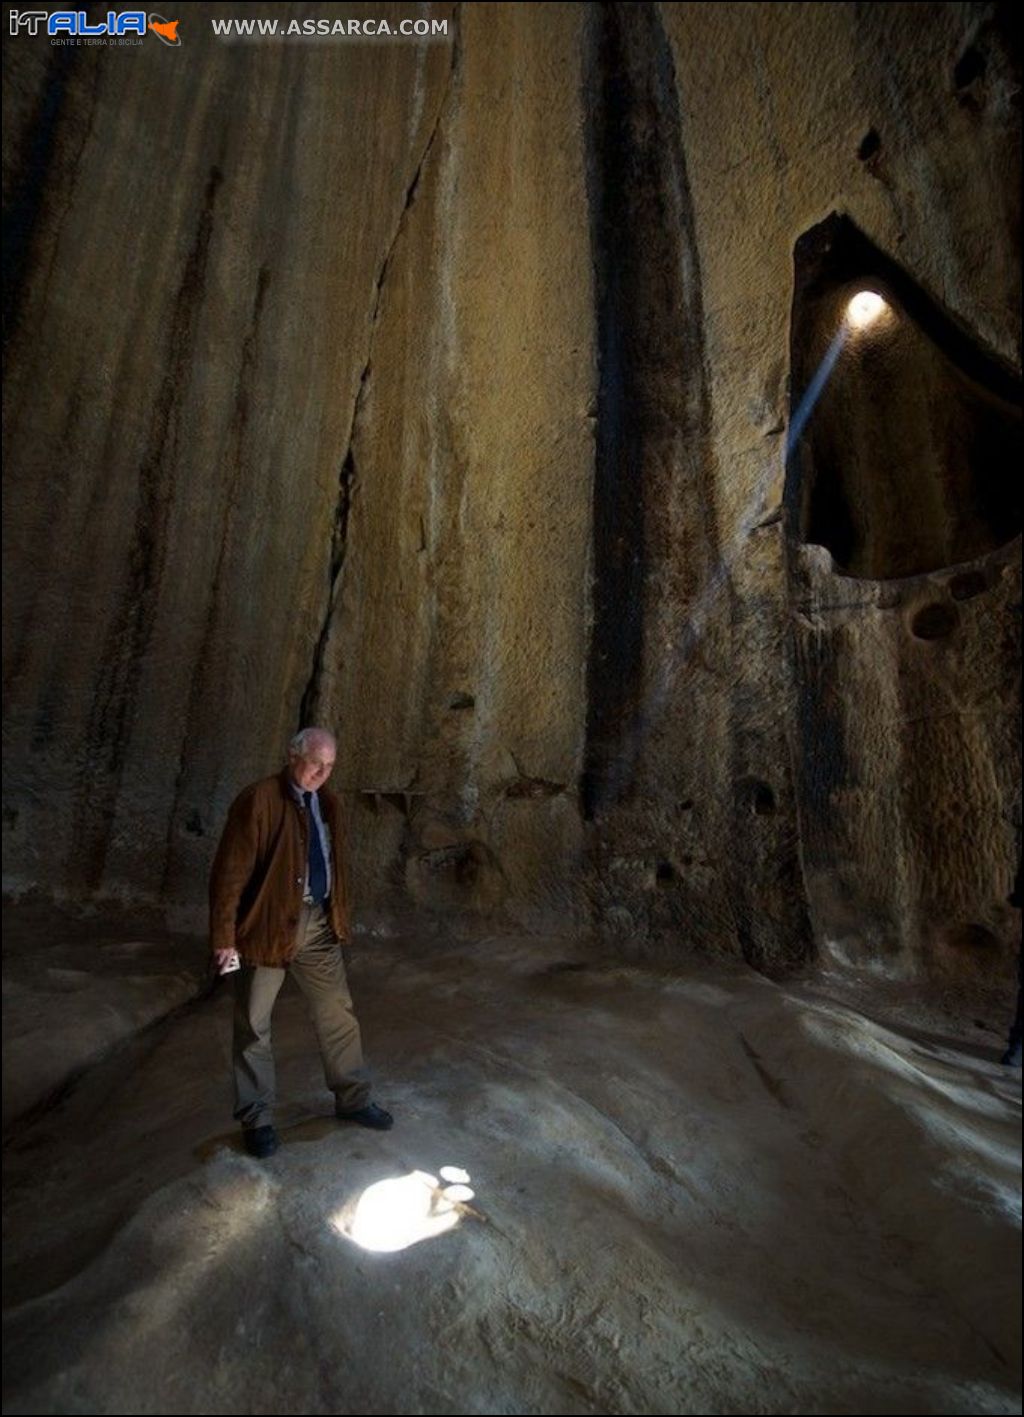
<point>814,389</point>
<point>393,1214</point>
<point>622,768</point>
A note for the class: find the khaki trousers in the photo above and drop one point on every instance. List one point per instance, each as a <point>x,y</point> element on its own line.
<point>319,971</point>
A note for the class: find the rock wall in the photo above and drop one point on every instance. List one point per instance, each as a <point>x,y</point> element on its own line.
<point>190,324</point>
<point>440,393</point>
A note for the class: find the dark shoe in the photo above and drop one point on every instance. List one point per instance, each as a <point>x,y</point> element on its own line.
<point>260,1141</point>
<point>369,1116</point>
<point>1011,1058</point>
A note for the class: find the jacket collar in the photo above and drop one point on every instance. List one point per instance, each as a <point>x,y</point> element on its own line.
<point>288,790</point>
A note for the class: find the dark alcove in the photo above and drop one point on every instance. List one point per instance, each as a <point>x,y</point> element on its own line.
<point>907,460</point>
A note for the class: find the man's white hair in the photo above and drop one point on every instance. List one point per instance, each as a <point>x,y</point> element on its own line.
<point>306,737</point>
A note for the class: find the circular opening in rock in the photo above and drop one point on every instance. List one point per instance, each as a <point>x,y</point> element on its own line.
<point>752,795</point>
<point>934,622</point>
<point>865,309</point>
<point>764,800</point>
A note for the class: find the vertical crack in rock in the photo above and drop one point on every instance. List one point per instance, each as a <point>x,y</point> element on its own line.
<point>616,649</point>
<point>652,483</point>
<point>339,540</point>
<point>310,702</point>
<point>29,186</point>
<point>121,664</point>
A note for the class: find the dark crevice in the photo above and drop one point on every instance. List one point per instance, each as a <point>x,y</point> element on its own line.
<point>969,69</point>
<point>339,542</point>
<point>870,146</point>
<point>310,701</point>
<point>413,187</point>
<point>29,187</point>
<point>753,797</point>
<point>651,376</point>
<point>616,649</point>
<point>774,1086</point>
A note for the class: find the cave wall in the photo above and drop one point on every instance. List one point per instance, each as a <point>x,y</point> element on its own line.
<point>903,498</point>
<point>440,393</point>
<point>901,768</point>
<point>204,232</point>
<point>452,658</point>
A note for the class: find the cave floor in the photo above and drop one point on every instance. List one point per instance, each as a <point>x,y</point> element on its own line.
<point>696,1191</point>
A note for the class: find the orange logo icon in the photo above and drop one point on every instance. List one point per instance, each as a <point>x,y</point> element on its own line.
<point>167,30</point>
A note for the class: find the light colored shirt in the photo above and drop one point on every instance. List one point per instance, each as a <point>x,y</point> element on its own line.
<point>320,826</point>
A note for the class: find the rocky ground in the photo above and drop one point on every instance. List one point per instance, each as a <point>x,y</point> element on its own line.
<point>692,1192</point>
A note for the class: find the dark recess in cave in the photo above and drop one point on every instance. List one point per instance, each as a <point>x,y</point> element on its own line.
<point>908,461</point>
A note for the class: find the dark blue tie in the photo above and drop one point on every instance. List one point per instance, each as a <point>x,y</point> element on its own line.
<point>317,865</point>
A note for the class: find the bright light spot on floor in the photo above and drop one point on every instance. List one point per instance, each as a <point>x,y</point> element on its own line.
<point>865,308</point>
<point>394,1214</point>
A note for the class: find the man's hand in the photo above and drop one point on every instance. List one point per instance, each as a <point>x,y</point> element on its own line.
<point>226,961</point>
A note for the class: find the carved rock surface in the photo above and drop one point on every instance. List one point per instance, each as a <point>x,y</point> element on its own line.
<point>439,393</point>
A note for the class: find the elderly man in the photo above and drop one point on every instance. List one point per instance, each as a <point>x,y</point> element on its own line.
<point>278,902</point>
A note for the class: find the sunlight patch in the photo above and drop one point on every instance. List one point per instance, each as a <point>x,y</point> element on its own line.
<point>393,1214</point>
<point>866,307</point>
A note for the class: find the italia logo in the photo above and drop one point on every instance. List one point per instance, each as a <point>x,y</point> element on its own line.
<point>74,24</point>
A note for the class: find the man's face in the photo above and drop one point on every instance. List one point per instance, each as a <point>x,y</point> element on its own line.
<point>312,768</point>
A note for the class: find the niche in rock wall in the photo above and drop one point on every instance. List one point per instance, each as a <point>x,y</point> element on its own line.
<point>905,434</point>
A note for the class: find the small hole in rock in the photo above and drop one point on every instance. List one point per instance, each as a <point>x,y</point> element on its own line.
<point>934,622</point>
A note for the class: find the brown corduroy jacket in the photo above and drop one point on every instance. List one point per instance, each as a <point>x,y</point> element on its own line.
<point>259,869</point>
